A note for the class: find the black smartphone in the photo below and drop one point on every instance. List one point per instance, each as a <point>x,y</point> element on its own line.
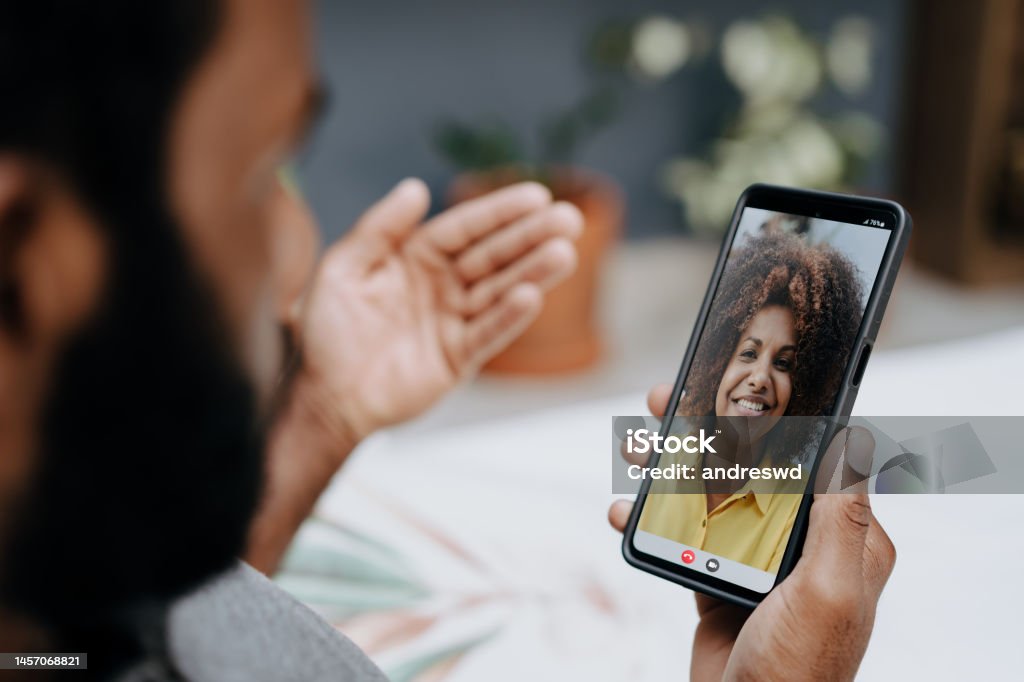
<point>786,329</point>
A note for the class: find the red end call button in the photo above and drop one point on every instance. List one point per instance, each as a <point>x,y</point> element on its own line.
<point>688,556</point>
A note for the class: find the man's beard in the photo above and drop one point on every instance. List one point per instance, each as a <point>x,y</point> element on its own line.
<point>149,468</point>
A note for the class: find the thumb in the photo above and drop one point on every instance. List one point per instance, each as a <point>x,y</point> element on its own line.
<point>387,223</point>
<point>840,521</point>
<point>846,464</point>
<point>836,537</point>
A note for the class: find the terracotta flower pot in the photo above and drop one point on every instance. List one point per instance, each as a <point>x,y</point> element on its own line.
<point>566,336</point>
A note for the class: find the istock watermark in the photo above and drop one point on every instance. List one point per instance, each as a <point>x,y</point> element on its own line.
<point>642,441</point>
<point>886,454</point>
<point>647,441</point>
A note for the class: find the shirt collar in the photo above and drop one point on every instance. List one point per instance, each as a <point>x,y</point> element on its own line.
<point>763,500</point>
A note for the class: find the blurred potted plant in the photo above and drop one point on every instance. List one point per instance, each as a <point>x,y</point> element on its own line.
<point>566,335</point>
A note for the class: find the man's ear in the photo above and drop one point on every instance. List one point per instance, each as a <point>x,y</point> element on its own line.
<point>52,257</point>
<point>13,226</point>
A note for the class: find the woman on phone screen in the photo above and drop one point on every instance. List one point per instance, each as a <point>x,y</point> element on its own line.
<point>781,325</point>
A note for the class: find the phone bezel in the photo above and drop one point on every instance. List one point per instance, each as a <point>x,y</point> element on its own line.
<point>828,206</point>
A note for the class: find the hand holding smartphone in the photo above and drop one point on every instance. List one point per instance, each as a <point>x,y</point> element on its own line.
<point>785,330</point>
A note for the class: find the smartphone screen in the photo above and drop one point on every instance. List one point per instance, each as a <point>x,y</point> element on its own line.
<point>795,302</point>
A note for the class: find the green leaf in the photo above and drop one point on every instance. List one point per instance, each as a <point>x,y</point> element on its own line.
<point>611,45</point>
<point>480,148</point>
<point>344,599</point>
<point>346,565</point>
<point>343,571</point>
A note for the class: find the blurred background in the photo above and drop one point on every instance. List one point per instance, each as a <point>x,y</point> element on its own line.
<point>654,117</point>
<point>472,542</point>
<point>678,76</point>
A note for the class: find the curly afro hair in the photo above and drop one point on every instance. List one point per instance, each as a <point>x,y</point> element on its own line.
<point>817,283</point>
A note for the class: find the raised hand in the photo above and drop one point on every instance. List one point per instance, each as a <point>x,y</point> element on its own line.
<point>401,310</point>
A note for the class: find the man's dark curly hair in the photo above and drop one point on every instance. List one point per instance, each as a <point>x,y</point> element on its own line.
<point>817,283</point>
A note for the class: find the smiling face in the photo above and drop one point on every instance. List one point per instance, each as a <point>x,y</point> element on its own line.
<point>758,382</point>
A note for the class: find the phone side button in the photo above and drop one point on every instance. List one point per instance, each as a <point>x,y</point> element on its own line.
<point>862,363</point>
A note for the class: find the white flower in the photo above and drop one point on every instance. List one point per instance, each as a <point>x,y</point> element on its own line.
<point>661,46</point>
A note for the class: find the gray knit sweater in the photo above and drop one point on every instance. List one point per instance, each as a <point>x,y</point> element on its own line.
<point>241,627</point>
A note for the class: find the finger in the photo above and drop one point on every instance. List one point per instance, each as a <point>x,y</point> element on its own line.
<point>860,452</point>
<point>618,514</point>
<point>719,626</point>
<point>460,226</point>
<point>879,559</point>
<point>545,266</point>
<point>705,603</point>
<point>657,399</point>
<point>504,245</point>
<point>846,464</point>
<point>388,222</point>
<point>632,457</point>
<point>836,538</point>
<point>492,331</point>
<point>708,606</point>
<point>825,480</point>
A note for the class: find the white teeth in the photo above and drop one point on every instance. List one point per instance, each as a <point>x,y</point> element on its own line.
<point>751,405</point>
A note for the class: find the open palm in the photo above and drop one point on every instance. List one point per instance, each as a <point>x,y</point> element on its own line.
<point>401,310</point>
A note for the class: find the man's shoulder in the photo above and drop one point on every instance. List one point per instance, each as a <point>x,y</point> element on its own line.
<point>241,626</point>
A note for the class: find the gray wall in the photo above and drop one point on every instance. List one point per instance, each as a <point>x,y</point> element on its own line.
<point>395,69</point>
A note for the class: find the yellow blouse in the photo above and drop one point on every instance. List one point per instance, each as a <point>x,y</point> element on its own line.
<point>749,527</point>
